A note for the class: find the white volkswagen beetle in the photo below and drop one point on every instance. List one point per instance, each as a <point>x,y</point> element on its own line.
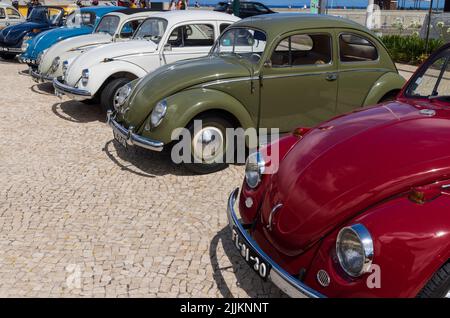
<point>9,16</point>
<point>115,26</point>
<point>164,38</point>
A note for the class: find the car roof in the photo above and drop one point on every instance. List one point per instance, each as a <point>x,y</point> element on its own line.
<point>134,12</point>
<point>177,16</point>
<point>130,11</point>
<point>279,23</point>
<point>99,9</point>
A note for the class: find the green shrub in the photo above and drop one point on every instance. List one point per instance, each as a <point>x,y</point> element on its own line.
<point>409,49</point>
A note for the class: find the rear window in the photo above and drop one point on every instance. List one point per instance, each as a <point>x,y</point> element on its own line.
<point>356,48</point>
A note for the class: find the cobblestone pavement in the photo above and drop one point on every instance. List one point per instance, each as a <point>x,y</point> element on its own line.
<point>79,216</point>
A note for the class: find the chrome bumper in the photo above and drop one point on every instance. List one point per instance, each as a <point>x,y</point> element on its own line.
<point>131,138</point>
<point>71,92</point>
<point>14,50</point>
<point>282,279</point>
<point>40,78</point>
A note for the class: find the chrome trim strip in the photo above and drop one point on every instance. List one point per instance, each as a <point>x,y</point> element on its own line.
<point>74,93</point>
<point>282,279</point>
<point>132,138</point>
<point>226,81</point>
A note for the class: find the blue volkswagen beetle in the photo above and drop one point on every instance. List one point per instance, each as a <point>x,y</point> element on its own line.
<point>41,18</point>
<point>79,22</point>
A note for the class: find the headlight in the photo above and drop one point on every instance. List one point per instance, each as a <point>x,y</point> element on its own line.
<point>24,46</point>
<point>84,77</point>
<point>158,113</point>
<point>65,66</point>
<point>354,248</point>
<point>55,64</point>
<point>254,169</point>
<point>122,95</point>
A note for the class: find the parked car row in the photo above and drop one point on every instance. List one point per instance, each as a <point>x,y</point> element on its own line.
<point>357,204</point>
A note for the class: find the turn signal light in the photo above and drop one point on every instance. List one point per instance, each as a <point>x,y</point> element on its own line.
<point>300,132</point>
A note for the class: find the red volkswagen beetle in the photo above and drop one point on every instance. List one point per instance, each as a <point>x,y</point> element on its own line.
<point>359,205</point>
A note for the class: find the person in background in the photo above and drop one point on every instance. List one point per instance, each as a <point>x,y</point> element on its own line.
<point>94,3</point>
<point>31,5</point>
<point>123,3</point>
<point>173,5</point>
<point>197,5</point>
<point>236,7</point>
<point>80,4</point>
<point>15,4</point>
<point>182,5</point>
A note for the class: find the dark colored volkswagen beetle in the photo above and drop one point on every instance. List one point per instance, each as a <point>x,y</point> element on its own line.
<point>41,18</point>
<point>359,205</point>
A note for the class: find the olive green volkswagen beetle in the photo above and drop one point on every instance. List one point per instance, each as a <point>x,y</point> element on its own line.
<point>277,71</point>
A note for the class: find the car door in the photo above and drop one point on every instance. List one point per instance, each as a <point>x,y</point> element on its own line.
<point>300,81</point>
<point>190,40</point>
<point>359,67</point>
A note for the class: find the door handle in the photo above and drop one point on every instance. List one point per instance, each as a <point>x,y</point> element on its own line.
<point>331,77</point>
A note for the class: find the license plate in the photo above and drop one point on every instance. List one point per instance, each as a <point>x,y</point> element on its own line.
<point>120,138</point>
<point>250,256</point>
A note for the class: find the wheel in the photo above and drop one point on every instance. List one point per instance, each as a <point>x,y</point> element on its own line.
<point>7,56</point>
<point>108,96</point>
<point>439,284</point>
<point>208,145</point>
<point>389,97</point>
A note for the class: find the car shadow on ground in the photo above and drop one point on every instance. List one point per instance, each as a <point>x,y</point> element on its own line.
<point>143,162</point>
<point>246,278</point>
<point>78,112</point>
<point>43,89</point>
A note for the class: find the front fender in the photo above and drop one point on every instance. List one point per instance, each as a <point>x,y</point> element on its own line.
<point>388,82</point>
<point>411,242</point>
<point>102,71</point>
<point>183,107</point>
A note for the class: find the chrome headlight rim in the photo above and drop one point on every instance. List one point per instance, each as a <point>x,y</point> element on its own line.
<point>257,168</point>
<point>158,113</point>
<point>365,240</point>
<point>122,95</point>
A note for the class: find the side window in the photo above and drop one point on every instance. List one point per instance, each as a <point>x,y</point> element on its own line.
<point>2,14</point>
<point>303,49</point>
<point>192,35</point>
<point>129,28</point>
<point>355,48</point>
<point>12,14</point>
<point>223,27</point>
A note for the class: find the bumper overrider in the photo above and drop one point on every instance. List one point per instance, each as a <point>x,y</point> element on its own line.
<point>38,77</point>
<point>282,279</point>
<point>71,92</point>
<point>127,135</point>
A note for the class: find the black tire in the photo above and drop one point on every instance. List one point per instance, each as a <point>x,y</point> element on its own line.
<point>7,56</point>
<point>388,97</point>
<point>439,284</point>
<point>205,168</point>
<point>109,92</point>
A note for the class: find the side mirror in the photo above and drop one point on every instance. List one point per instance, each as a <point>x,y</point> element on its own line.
<point>268,64</point>
<point>167,48</point>
<point>116,37</point>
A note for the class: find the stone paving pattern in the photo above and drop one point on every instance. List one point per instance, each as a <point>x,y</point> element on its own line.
<point>80,216</point>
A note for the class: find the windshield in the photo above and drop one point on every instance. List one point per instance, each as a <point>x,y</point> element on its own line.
<point>433,81</point>
<point>108,24</point>
<point>78,19</point>
<point>243,43</point>
<point>151,29</point>
<point>45,15</point>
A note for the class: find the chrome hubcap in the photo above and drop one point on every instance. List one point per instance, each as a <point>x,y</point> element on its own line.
<point>207,144</point>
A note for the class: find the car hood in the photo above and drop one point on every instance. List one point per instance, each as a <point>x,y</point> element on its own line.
<point>119,50</point>
<point>82,43</point>
<point>15,33</point>
<point>172,78</point>
<point>46,39</point>
<point>348,164</point>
